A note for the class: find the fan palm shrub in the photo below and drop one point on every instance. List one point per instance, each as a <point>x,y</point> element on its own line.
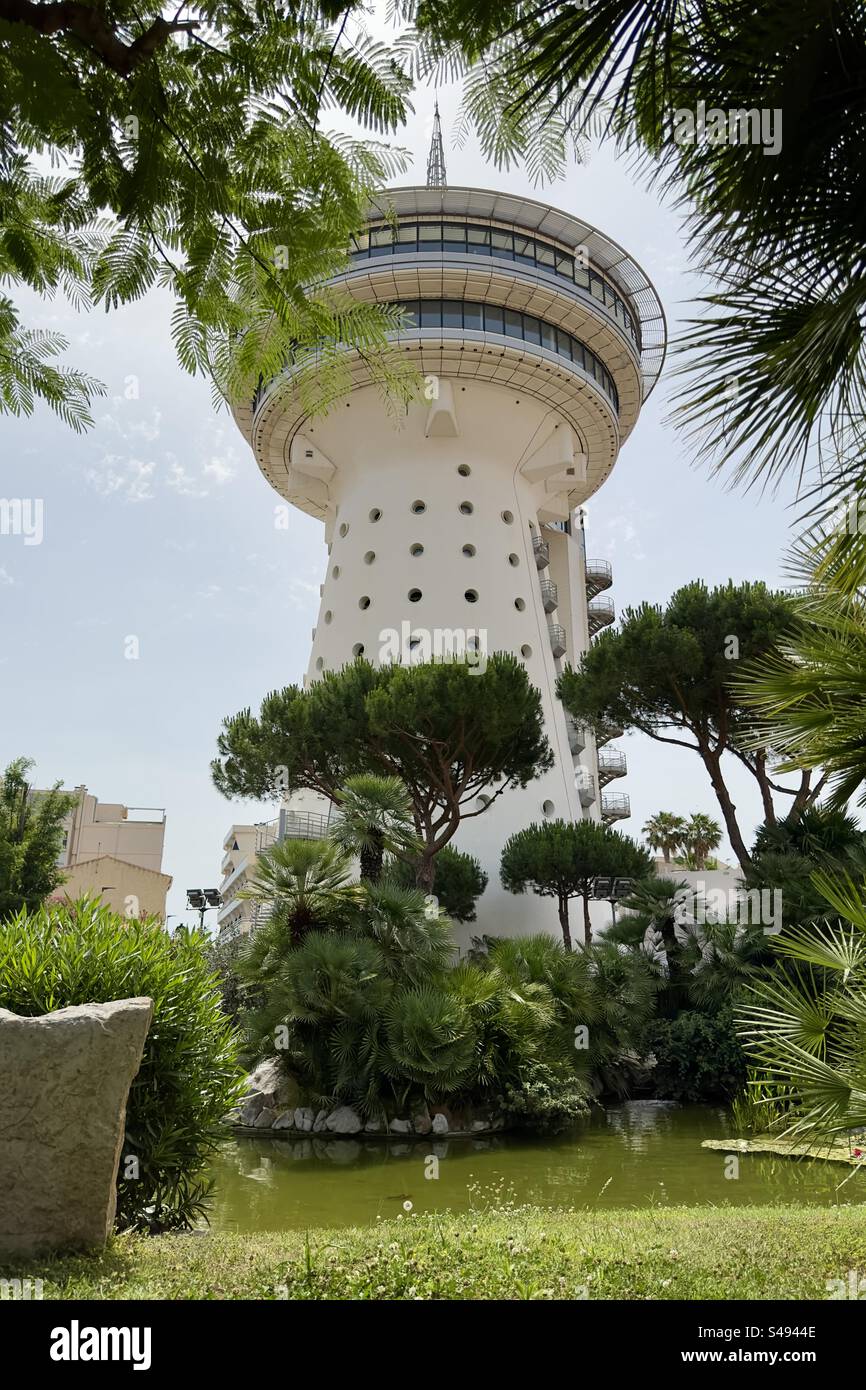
<point>81,953</point>
<point>304,885</point>
<point>375,818</point>
<point>804,1027</point>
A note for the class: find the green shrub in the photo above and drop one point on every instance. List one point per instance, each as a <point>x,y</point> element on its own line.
<point>83,953</point>
<point>698,1057</point>
<point>546,1099</point>
<point>459,881</point>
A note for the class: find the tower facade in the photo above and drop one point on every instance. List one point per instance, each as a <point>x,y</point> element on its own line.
<point>457,526</point>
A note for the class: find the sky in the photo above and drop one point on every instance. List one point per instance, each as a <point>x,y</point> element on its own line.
<point>163,597</point>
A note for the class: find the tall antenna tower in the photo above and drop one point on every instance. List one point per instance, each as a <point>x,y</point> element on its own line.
<point>436,158</point>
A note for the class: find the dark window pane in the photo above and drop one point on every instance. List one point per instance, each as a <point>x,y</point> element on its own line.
<point>531,329</point>
<point>581,277</point>
<point>407,233</point>
<point>564,263</point>
<point>493,319</point>
<point>430,231</point>
<point>503,243</point>
<point>597,287</point>
<point>513,324</point>
<point>580,354</point>
<point>454,235</point>
<point>473,316</point>
<point>452,313</point>
<point>563,344</point>
<point>411,311</point>
<point>548,336</point>
<point>545,255</point>
<point>478,234</point>
<point>431,313</point>
<point>524,249</point>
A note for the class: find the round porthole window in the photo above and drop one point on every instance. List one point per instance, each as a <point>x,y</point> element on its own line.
<point>369,557</point>
<point>418,507</point>
<point>414,595</point>
<point>416,550</point>
<point>375,514</point>
<point>319,663</point>
<point>548,808</point>
<point>336,572</point>
<point>464,470</point>
<point>364,602</point>
<point>508,517</point>
<point>344,529</point>
<point>519,604</point>
<point>467,508</point>
<point>514,561</point>
<point>328,616</point>
<point>469,551</point>
<point>358,649</point>
<point>471,596</point>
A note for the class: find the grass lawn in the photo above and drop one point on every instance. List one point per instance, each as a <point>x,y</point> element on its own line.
<point>677,1253</point>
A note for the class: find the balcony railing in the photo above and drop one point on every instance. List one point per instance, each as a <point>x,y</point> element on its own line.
<point>611,764</point>
<point>294,825</point>
<point>599,575</point>
<point>615,806</point>
<point>542,552</point>
<point>549,595</point>
<point>557,638</point>
<point>585,784</point>
<point>599,612</point>
<point>576,734</point>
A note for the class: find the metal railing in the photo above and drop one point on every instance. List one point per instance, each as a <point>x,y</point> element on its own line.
<point>599,575</point>
<point>585,784</point>
<point>611,764</point>
<point>599,613</point>
<point>549,595</point>
<point>615,806</point>
<point>576,734</point>
<point>541,550</point>
<point>557,638</point>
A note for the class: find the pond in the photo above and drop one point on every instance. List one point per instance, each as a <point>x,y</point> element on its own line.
<point>641,1153</point>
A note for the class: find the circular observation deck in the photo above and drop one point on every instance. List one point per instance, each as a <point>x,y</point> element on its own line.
<point>496,289</point>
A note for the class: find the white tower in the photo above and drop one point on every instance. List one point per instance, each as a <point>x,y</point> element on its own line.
<point>540,339</point>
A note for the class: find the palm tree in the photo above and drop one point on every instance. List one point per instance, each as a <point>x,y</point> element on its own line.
<point>809,699</point>
<point>651,915</point>
<point>664,831</point>
<point>375,818</point>
<point>702,834</point>
<point>306,884</point>
<point>805,1025</point>
<point>784,244</point>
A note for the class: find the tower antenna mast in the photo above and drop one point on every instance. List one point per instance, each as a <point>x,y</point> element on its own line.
<point>436,158</point>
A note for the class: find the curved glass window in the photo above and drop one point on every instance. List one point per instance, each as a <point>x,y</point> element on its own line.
<point>474,240</point>
<point>491,318</point>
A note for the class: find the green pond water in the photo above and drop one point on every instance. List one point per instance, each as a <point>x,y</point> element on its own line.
<point>639,1154</point>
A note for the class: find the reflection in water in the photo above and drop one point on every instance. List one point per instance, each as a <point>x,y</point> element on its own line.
<point>642,1153</point>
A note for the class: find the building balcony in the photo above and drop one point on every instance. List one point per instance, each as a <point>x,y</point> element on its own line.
<point>599,575</point>
<point>611,764</point>
<point>600,612</point>
<point>615,806</point>
<point>549,595</point>
<point>293,825</point>
<point>576,734</point>
<point>542,552</point>
<point>606,732</point>
<point>557,638</point>
<point>585,783</point>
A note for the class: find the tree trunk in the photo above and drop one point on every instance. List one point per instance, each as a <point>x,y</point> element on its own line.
<point>727,807</point>
<point>426,871</point>
<point>564,922</point>
<point>587,924</point>
<point>372,857</point>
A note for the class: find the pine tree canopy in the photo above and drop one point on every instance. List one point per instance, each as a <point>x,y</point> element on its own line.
<point>185,149</point>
